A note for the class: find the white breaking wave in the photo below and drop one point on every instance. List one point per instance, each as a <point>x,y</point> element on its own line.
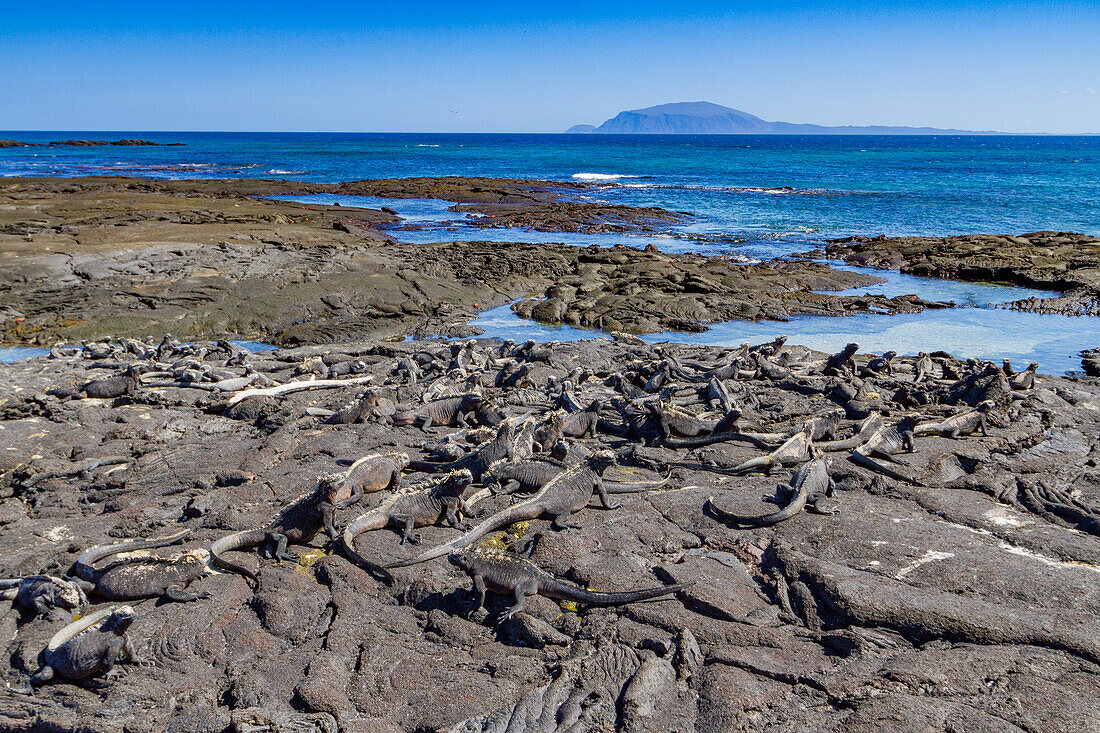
<point>280,171</point>
<point>600,176</point>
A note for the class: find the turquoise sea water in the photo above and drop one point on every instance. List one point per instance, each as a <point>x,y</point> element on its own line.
<point>753,198</point>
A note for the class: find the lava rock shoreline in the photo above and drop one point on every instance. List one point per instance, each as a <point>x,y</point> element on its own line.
<point>962,598</point>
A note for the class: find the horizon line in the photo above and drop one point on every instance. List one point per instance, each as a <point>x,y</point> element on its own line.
<point>962,133</point>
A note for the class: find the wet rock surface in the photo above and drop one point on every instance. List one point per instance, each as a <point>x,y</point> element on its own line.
<point>962,598</point>
<point>1062,261</point>
<point>96,257</point>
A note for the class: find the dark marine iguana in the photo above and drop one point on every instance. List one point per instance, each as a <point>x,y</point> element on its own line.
<point>296,524</point>
<point>885,443</point>
<point>965,423</point>
<point>677,422</point>
<point>504,572</point>
<point>549,434</point>
<point>582,423</point>
<point>794,450</point>
<point>85,648</point>
<point>375,472</point>
<point>442,500</point>
<point>43,595</point>
<point>534,473</point>
<point>810,483</point>
<point>466,410</point>
<point>564,495</point>
<point>106,388</point>
<point>141,575</point>
<point>507,444</point>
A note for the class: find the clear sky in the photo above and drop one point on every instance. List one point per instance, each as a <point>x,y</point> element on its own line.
<point>540,67</point>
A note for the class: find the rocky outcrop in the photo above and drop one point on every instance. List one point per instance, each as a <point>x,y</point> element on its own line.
<point>208,259</point>
<point>1061,261</point>
<point>93,143</point>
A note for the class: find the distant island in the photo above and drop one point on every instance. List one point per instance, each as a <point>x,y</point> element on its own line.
<point>707,118</point>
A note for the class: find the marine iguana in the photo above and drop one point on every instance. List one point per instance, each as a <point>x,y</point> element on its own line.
<point>375,472</point>
<point>43,595</point>
<point>965,423</point>
<point>841,362</point>
<point>679,423</point>
<point>885,443</point>
<point>533,474</point>
<point>564,495</point>
<point>880,365</point>
<point>547,435</point>
<point>582,423</point>
<point>870,425</point>
<point>85,648</point>
<point>298,523</point>
<point>794,450</point>
<point>924,367</point>
<point>106,388</point>
<point>141,575</point>
<point>1025,380</point>
<point>504,572</point>
<point>507,444</point>
<point>467,410</point>
<point>810,483</point>
<point>431,505</point>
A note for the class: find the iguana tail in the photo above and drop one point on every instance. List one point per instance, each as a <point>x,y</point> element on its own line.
<point>758,462</point>
<point>566,592</point>
<point>372,520</point>
<point>701,440</point>
<point>763,520</point>
<point>79,626</point>
<point>526,510</point>
<point>83,567</point>
<point>236,541</point>
<point>430,467</point>
<point>867,462</point>
<point>616,487</point>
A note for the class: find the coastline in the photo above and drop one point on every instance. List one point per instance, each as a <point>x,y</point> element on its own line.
<point>97,257</point>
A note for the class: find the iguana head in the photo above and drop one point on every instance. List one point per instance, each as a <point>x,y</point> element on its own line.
<point>68,594</point>
<point>601,460</point>
<point>851,348</point>
<point>332,487</point>
<point>120,619</point>
<point>459,560</point>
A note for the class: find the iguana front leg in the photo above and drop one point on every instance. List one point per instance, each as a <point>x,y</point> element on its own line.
<point>452,509</point>
<point>982,425</point>
<point>114,653</point>
<point>908,442</point>
<point>601,491</point>
<point>478,601</point>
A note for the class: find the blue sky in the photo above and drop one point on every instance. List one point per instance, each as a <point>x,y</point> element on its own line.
<point>541,67</point>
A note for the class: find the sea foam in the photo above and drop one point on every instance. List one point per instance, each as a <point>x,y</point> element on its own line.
<point>600,176</point>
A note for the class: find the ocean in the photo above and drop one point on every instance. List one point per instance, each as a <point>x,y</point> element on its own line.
<point>754,197</point>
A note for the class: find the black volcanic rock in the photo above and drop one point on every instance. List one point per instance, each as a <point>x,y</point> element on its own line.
<point>707,118</point>
<point>90,143</point>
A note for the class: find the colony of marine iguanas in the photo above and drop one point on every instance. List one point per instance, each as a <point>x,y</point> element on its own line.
<point>501,419</point>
